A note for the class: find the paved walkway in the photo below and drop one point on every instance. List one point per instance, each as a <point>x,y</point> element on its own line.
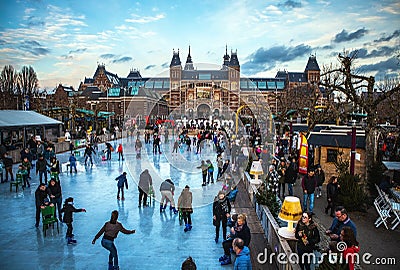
<point>159,243</point>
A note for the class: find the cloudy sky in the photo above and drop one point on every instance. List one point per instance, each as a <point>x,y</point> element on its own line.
<point>65,40</point>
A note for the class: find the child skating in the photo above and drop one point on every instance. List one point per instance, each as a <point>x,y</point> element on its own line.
<point>68,209</point>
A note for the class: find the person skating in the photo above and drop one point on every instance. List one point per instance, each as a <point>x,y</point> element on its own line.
<point>56,196</point>
<point>185,205</point>
<point>144,185</point>
<point>68,210</point>
<point>120,151</point>
<point>72,163</point>
<point>41,169</point>
<point>204,172</point>
<point>110,231</point>
<point>210,171</point>
<point>221,213</point>
<point>138,148</point>
<point>167,190</point>
<point>88,154</point>
<point>120,184</point>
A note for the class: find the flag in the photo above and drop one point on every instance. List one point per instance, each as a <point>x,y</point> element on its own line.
<point>303,154</point>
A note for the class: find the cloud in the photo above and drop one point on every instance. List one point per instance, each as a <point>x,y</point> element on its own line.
<point>150,67</point>
<point>108,56</point>
<point>145,19</point>
<point>122,59</point>
<point>378,52</point>
<point>165,65</point>
<point>266,59</point>
<point>383,67</point>
<point>345,36</point>
<point>291,4</point>
<point>33,47</point>
<point>388,38</point>
<point>78,51</point>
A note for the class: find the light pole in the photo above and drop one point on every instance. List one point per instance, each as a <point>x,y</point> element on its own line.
<point>353,147</point>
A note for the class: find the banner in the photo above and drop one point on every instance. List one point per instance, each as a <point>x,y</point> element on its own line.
<point>303,154</point>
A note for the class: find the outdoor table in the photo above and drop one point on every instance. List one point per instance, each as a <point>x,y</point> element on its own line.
<point>396,194</point>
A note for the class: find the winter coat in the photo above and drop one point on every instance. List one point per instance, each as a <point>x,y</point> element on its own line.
<point>243,233</point>
<point>40,196</point>
<point>41,165</point>
<point>145,181</point>
<point>310,233</point>
<point>332,191</point>
<point>55,166</point>
<point>291,173</point>
<point>243,261</point>
<point>221,208</point>
<point>337,226</point>
<point>273,180</point>
<point>309,184</point>
<point>320,175</point>
<point>350,258</point>
<point>55,190</point>
<point>8,162</point>
<point>111,230</point>
<point>72,159</point>
<point>27,165</point>
<point>282,173</point>
<point>68,209</point>
<point>167,186</point>
<point>185,201</point>
<point>122,180</point>
<point>89,151</point>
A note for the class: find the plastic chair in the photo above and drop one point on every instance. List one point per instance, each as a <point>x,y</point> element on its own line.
<point>54,175</point>
<point>17,182</point>
<point>49,218</point>
<point>151,195</point>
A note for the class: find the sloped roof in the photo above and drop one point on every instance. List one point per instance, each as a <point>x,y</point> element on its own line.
<point>14,118</point>
<point>312,64</point>
<point>176,60</point>
<point>297,77</point>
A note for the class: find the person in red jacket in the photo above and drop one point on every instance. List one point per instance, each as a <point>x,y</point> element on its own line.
<point>120,151</point>
<point>351,247</point>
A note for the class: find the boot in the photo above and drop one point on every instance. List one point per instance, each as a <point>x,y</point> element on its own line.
<point>186,228</point>
<point>175,211</point>
<point>70,241</point>
<point>226,261</point>
<point>116,268</point>
<point>110,266</point>
<point>222,258</point>
<point>190,227</point>
<point>161,208</point>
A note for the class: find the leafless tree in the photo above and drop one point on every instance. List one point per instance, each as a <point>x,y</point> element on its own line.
<point>364,93</point>
<point>27,83</point>
<point>8,81</point>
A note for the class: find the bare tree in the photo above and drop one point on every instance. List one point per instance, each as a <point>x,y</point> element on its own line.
<point>27,83</point>
<point>8,81</point>
<point>364,93</point>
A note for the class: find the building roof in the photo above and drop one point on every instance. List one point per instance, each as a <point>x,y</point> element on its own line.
<point>14,119</point>
<point>176,60</point>
<point>337,140</point>
<point>297,77</point>
<point>312,64</point>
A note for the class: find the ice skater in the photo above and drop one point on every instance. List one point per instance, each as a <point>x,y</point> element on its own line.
<point>68,209</point>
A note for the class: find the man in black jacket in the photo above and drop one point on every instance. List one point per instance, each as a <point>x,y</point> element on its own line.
<point>309,183</point>
<point>8,163</point>
<point>221,212</point>
<point>41,193</point>
<point>41,169</point>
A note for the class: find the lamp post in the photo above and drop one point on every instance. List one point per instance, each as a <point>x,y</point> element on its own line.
<point>353,147</point>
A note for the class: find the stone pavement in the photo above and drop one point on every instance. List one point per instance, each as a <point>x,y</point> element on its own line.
<point>159,242</point>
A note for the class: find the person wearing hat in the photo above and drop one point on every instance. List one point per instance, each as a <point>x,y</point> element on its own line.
<point>309,183</point>
<point>185,205</point>
<point>221,213</point>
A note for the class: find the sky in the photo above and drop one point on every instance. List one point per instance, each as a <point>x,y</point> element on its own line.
<point>64,41</point>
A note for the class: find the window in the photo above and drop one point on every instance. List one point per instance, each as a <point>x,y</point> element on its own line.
<point>331,155</point>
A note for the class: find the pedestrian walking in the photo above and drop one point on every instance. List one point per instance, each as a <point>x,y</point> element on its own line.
<point>167,190</point>
<point>309,183</point>
<point>185,206</point>
<point>110,231</point>
<point>56,196</point>
<point>176,146</point>
<point>282,176</point>
<point>242,252</point>
<point>291,175</point>
<point>41,193</point>
<point>120,184</point>
<point>144,186</point>
<point>332,192</point>
<point>68,210</point>
<point>41,169</point>
<point>221,213</point>
<point>120,151</point>
<point>320,176</point>
<point>72,163</point>
<point>307,236</point>
<point>272,180</point>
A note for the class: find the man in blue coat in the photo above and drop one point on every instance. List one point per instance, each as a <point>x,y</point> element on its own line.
<point>121,182</point>
<point>242,261</point>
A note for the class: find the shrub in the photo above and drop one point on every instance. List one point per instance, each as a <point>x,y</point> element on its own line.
<point>269,199</point>
<point>352,194</point>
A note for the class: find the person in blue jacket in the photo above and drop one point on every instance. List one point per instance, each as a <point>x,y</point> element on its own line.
<point>121,182</point>
<point>242,252</point>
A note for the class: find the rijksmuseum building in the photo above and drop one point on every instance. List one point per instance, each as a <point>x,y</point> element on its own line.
<point>188,92</point>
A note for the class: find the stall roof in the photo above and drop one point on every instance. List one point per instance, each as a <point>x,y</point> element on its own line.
<point>14,119</point>
<point>392,165</point>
